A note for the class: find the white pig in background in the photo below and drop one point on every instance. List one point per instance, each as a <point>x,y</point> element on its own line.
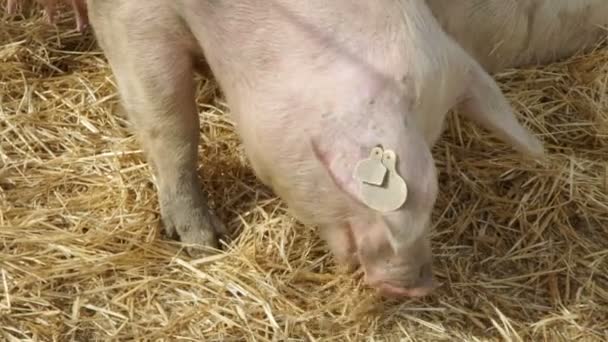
<point>318,86</point>
<point>512,33</point>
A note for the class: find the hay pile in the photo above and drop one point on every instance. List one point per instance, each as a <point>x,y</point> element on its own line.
<point>521,248</point>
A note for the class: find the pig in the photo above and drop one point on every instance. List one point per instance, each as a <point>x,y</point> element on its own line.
<point>340,82</point>
<point>313,87</point>
<point>50,6</point>
<point>503,34</point>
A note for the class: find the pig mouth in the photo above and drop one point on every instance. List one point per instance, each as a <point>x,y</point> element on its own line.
<point>398,288</point>
<point>388,290</point>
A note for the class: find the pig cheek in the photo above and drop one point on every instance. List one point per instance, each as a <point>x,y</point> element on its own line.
<point>372,260</point>
<point>373,248</point>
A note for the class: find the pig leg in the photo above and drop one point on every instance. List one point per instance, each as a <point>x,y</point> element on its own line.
<point>167,123</point>
<point>80,10</point>
<point>11,7</point>
<point>79,7</point>
<point>154,74</point>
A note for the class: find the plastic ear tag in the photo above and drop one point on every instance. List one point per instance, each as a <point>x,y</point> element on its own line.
<point>381,187</point>
<point>371,170</point>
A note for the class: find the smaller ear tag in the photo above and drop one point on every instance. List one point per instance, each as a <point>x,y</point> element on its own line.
<point>388,193</point>
<point>371,170</point>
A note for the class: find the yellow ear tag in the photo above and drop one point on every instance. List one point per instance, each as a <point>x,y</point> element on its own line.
<point>371,170</point>
<point>381,187</point>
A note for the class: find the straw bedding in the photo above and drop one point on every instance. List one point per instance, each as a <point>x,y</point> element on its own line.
<point>521,247</point>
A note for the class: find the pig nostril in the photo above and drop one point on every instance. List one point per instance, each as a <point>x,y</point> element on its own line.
<point>426,272</point>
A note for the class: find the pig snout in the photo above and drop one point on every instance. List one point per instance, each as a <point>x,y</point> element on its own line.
<point>420,283</point>
<point>396,264</point>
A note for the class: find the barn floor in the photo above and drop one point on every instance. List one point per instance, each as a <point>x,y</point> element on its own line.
<point>521,247</point>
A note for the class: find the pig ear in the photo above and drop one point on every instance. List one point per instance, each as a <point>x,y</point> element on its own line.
<point>339,157</point>
<point>486,104</point>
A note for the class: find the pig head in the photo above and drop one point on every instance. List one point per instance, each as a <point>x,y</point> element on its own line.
<point>393,247</point>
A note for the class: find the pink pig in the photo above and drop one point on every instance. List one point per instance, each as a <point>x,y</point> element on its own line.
<point>313,86</point>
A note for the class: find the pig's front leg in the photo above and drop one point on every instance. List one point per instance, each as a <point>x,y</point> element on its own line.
<point>166,121</point>
<point>79,7</point>
<point>153,69</point>
<point>82,17</point>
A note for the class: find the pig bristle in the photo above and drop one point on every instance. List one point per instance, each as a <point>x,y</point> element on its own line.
<point>521,249</point>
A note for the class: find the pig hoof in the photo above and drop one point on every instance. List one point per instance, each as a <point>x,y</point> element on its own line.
<point>198,228</point>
